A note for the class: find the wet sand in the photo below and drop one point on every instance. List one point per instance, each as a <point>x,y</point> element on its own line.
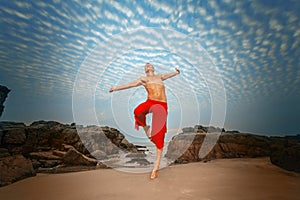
<point>224,179</point>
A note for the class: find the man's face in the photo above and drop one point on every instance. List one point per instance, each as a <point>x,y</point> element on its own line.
<point>149,67</point>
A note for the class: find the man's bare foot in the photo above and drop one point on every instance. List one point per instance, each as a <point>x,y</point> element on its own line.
<point>154,174</point>
<point>147,131</point>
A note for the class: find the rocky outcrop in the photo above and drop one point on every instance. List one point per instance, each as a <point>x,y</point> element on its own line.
<point>14,168</point>
<point>227,146</point>
<point>3,94</point>
<point>282,151</point>
<point>74,157</point>
<point>286,153</point>
<point>49,146</point>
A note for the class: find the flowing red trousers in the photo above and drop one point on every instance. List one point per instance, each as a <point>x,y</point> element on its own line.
<point>159,112</point>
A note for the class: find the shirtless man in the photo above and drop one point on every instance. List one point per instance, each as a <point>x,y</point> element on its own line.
<point>156,104</point>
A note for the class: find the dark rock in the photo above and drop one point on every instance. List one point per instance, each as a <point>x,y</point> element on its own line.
<point>293,137</point>
<point>74,157</point>
<point>287,158</point>
<point>233,131</point>
<point>200,129</point>
<point>283,151</point>
<point>14,149</point>
<point>186,142</point>
<point>124,144</point>
<point>4,152</point>
<point>1,135</point>
<point>3,94</point>
<point>49,145</point>
<point>140,146</point>
<point>42,136</point>
<point>285,154</point>
<point>45,159</point>
<point>44,155</point>
<point>14,168</point>
<point>35,164</point>
<point>227,146</point>
<point>179,161</point>
<point>7,125</point>
<point>49,163</point>
<point>14,136</point>
<point>108,140</point>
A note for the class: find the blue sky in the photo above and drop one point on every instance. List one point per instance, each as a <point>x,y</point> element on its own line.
<point>239,55</point>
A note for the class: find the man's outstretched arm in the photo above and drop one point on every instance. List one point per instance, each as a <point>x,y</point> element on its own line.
<point>135,83</point>
<point>169,75</point>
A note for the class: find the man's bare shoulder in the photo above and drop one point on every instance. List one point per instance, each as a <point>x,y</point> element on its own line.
<point>143,80</point>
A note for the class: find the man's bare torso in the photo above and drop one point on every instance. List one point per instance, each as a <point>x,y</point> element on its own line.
<point>155,87</point>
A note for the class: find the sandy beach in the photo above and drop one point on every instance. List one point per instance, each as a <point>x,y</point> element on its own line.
<point>222,179</point>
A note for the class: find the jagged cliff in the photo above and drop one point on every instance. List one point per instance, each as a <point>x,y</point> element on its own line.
<point>3,94</point>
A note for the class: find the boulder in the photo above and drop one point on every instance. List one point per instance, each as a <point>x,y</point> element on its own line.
<point>283,151</point>
<point>286,154</point>
<point>49,146</point>
<point>14,136</point>
<point>127,146</point>
<point>43,136</point>
<point>184,147</point>
<point>108,140</point>
<point>74,157</point>
<point>227,146</point>
<point>14,168</point>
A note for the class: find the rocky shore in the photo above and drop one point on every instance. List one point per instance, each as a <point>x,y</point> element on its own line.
<point>52,147</point>
<point>283,151</point>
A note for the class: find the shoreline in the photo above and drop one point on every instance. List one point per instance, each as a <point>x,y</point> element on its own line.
<point>237,178</point>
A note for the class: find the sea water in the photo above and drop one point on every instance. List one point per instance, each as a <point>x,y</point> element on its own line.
<point>121,162</point>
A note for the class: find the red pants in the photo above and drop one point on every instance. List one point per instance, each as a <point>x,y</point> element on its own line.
<point>159,112</point>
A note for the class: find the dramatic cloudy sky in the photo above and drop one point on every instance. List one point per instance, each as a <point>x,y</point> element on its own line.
<point>239,60</point>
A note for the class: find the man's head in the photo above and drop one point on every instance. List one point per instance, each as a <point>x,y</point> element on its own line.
<point>149,68</point>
